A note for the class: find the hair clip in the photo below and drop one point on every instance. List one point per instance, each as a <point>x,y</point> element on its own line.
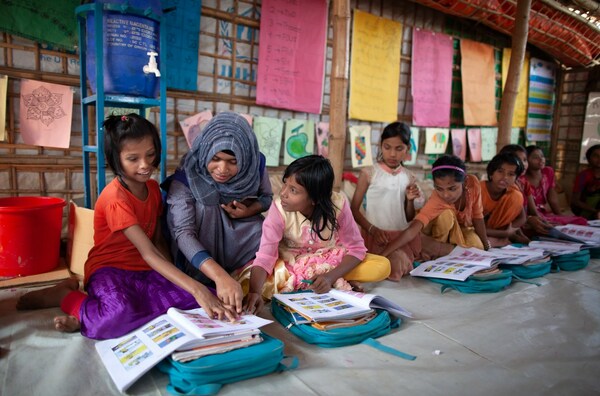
<point>123,118</point>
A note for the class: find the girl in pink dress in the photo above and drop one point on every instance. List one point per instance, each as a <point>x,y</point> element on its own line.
<point>310,239</point>
<point>543,186</point>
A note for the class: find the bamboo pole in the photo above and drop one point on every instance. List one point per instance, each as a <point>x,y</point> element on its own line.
<point>338,108</point>
<point>511,89</point>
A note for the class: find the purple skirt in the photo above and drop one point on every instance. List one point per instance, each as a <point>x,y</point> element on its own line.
<point>120,301</point>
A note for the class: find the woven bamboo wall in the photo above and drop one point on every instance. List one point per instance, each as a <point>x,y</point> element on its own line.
<point>225,82</point>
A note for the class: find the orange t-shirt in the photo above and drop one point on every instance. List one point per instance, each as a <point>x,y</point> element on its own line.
<point>473,207</point>
<point>117,209</point>
<point>505,210</point>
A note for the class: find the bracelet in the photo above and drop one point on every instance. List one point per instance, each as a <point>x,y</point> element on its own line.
<point>370,228</point>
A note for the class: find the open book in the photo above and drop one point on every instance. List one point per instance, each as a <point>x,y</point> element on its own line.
<point>128,357</point>
<point>337,304</point>
<point>587,235</point>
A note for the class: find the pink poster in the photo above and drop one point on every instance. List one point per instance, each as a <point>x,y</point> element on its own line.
<point>45,114</point>
<point>193,125</point>
<point>291,57</point>
<point>459,143</point>
<point>431,78</point>
<point>323,139</point>
<point>474,137</point>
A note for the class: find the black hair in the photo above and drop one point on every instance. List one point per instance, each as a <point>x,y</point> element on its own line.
<point>315,174</point>
<point>394,129</point>
<point>118,128</point>
<point>588,152</point>
<point>513,149</point>
<point>449,160</point>
<point>504,158</point>
<point>530,149</point>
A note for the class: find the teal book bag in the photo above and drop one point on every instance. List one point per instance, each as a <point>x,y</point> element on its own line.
<point>380,325</point>
<point>529,271</point>
<point>206,375</point>
<point>486,283</point>
<point>571,262</point>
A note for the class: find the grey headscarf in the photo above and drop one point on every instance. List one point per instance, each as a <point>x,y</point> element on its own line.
<point>226,131</point>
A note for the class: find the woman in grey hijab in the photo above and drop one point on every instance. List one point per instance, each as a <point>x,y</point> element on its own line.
<point>214,204</point>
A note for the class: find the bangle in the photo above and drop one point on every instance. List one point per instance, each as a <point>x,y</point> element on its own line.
<point>370,228</point>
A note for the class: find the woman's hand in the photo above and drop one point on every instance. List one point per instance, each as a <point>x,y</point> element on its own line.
<point>539,225</point>
<point>237,210</point>
<point>230,293</point>
<point>253,303</point>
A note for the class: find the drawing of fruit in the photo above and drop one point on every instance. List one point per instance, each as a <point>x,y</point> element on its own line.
<point>296,144</point>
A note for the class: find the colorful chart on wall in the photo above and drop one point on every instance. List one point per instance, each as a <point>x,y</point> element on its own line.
<point>474,140</point>
<point>182,25</point>
<point>269,132</point>
<point>361,151</point>
<point>591,125</point>
<point>323,139</point>
<point>45,114</point>
<point>193,125</point>
<point>291,55</point>
<point>414,147</point>
<point>489,140</point>
<point>436,140</point>
<point>431,78</point>
<point>3,90</point>
<point>299,140</point>
<point>374,68</point>
<point>478,76</point>
<point>459,143</point>
<point>520,111</point>
<point>541,100</point>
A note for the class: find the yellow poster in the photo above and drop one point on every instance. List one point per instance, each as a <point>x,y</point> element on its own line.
<point>374,68</point>
<point>3,89</point>
<point>478,83</point>
<point>520,113</point>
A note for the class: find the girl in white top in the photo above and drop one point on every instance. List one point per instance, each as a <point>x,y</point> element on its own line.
<point>389,192</point>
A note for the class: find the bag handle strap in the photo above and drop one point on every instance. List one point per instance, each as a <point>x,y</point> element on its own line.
<point>383,348</point>
<point>293,363</point>
<point>518,278</point>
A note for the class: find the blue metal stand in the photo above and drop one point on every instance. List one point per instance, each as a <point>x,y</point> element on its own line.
<point>100,100</point>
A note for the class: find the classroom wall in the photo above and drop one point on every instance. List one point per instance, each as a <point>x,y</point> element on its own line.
<point>225,82</point>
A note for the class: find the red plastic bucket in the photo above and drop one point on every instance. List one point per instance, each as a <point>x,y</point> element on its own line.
<point>30,229</point>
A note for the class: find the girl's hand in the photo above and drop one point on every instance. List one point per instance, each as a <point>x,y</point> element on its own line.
<point>321,283</point>
<point>412,192</point>
<point>230,293</point>
<point>213,307</point>
<point>380,236</point>
<point>538,225</point>
<point>253,303</point>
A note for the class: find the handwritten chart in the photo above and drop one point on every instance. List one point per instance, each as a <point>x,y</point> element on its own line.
<point>431,78</point>
<point>375,68</point>
<point>291,65</point>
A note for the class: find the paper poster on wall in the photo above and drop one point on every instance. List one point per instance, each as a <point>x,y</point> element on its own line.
<point>436,140</point>
<point>182,25</point>
<point>591,125</point>
<point>299,140</point>
<point>248,118</point>
<point>193,125</point>
<point>515,134</point>
<point>323,139</point>
<point>520,111</point>
<point>474,140</point>
<point>489,140</point>
<point>45,114</point>
<point>3,91</point>
<point>291,66</point>
<point>478,83</point>
<point>459,143</point>
<point>269,132</point>
<point>541,100</point>
<point>431,78</point>
<point>414,147</point>
<point>374,68</point>
<point>360,146</point>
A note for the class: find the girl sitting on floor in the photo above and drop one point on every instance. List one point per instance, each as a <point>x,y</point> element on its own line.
<point>310,239</point>
<point>128,279</point>
<point>503,202</point>
<point>585,200</point>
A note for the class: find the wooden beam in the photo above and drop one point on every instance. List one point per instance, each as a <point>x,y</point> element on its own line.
<point>511,88</point>
<point>338,108</point>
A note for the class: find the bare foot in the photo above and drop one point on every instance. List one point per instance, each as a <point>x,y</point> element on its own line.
<point>395,277</point>
<point>356,286</point>
<point>49,297</point>
<point>67,324</point>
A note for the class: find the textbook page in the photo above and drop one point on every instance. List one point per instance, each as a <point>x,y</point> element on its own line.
<point>371,301</point>
<point>318,307</point>
<point>446,270</point>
